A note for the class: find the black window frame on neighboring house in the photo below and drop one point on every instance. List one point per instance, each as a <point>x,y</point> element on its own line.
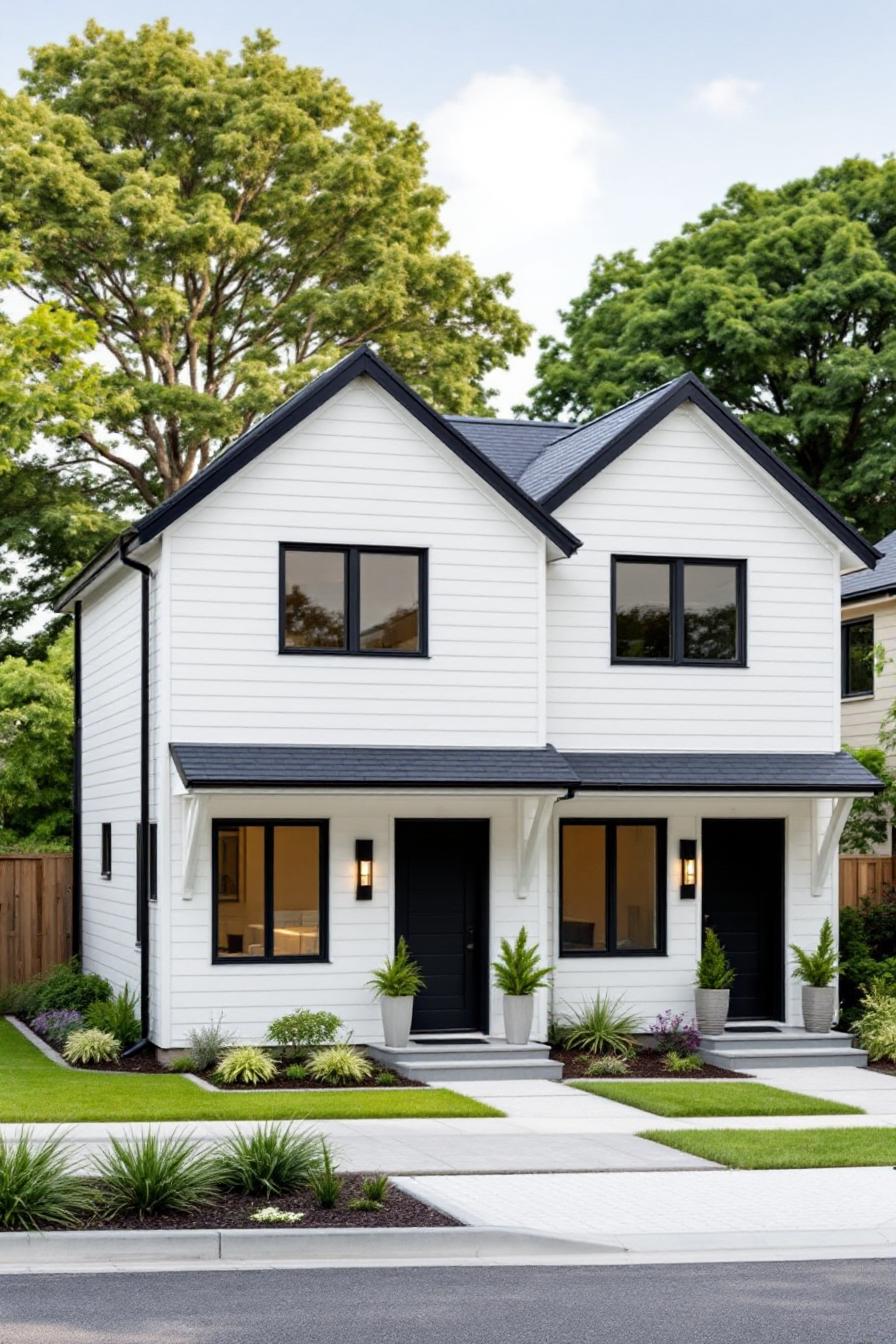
<point>268,824</point>
<point>106,850</point>
<point>352,600</point>
<point>677,565</point>
<point>846,628</point>
<point>611,824</point>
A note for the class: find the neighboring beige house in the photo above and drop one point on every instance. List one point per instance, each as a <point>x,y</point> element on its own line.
<point>869,619</point>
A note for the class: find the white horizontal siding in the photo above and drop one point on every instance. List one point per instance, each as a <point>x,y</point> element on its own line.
<point>680,492</point>
<point>357,472</point>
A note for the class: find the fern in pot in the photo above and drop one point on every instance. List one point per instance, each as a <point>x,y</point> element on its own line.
<point>395,984</point>
<point>817,970</point>
<point>518,973</point>
<point>715,976</point>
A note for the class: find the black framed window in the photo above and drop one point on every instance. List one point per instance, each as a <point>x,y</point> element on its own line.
<point>106,849</point>
<point>857,656</point>
<point>153,861</point>
<point>612,888</point>
<point>679,611</point>
<point>353,600</point>
<point>269,887</point>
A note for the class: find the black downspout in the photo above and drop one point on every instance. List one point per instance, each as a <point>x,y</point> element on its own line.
<point>76,789</point>
<point>143,855</point>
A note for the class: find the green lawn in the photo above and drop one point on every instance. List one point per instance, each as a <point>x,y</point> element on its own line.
<point>684,1098</point>
<point>767,1148</point>
<point>35,1090</point>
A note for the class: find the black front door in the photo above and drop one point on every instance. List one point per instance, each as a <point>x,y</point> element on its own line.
<point>743,900</point>
<point>441,907</point>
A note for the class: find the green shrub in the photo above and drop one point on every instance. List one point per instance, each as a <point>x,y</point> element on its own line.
<point>341,1063</point>
<point>117,1016</point>
<point>607,1066</point>
<point>714,970</point>
<point>376,1188</point>
<point>399,976</point>
<point>867,951</point>
<point>817,968</point>
<point>245,1064</point>
<point>91,1046</point>
<point>296,1073</point>
<point>37,1186</point>
<point>67,987</point>
<point>875,1027</point>
<point>155,1175</point>
<point>271,1160</point>
<point>601,1027</point>
<point>325,1183</point>
<point>364,1205</point>
<point>518,970</point>
<point>182,1064</point>
<point>385,1078</point>
<point>303,1030</point>
<point>674,1062</point>
<point>206,1045</point>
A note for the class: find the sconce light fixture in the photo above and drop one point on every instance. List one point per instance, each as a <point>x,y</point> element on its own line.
<point>363,870</point>
<point>687,851</point>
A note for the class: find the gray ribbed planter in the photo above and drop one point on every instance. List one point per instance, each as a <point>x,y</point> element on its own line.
<point>397,1015</point>
<point>818,1007</point>
<point>518,1009</point>
<point>712,1010</point>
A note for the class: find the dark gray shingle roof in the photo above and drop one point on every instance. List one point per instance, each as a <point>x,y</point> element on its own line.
<point>776,772</point>
<point>226,764</point>
<point>511,444</point>
<point>868,582</point>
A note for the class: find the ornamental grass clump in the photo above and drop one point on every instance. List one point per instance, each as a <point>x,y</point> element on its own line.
<point>607,1066</point>
<point>271,1160</point>
<point>875,1026</point>
<point>326,1183</point>
<point>342,1063</point>
<point>206,1045</point>
<point>155,1175</point>
<point>246,1064</point>
<point>38,1187</point>
<point>89,1045</point>
<point>602,1027</point>
<point>676,1062</point>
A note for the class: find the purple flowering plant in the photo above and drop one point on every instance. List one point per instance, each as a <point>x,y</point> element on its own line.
<point>56,1025</point>
<point>673,1032</point>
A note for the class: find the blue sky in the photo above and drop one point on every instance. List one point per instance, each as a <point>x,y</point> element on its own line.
<point>567,129</point>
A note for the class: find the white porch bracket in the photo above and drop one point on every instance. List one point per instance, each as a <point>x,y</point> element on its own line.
<point>195,809</point>
<point>826,845</point>
<point>531,830</point>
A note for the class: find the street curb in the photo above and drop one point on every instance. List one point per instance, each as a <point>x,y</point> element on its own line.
<point>45,1250</point>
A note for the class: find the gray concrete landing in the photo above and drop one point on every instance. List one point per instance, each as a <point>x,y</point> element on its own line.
<point>448,1059</point>
<point>778,1046</point>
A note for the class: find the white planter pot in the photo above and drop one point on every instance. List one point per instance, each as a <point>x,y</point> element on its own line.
<point>397,1020</point>
<point>818,1007</point>
<point>518,1009</point>
<point>712,1010</point>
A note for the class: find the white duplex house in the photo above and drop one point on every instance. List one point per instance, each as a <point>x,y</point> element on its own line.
<point>377,671</point>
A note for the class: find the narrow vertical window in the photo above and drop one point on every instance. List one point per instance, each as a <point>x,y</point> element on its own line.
<point>390,601</point>
<point>153,861</point>
<point>314,599</point>
<point>858,656</point>
<point>710,613</point>
<point>643,610</point>
<point>106,849</point>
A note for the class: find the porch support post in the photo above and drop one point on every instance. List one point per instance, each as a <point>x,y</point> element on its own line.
<point>824,847</point>
<point>532,831</point>
<point>193,829</point>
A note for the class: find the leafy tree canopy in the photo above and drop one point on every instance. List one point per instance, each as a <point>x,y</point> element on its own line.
<point>217,230</point>
<point>36,746</point>
<point>868,824</point>
<point>784,303</point>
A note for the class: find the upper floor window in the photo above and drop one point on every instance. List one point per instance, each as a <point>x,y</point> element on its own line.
<point>679,611</point>
<point>857,660</point>
<point>352,599</point>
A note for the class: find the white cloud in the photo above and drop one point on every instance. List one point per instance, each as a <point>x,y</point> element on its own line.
<point>521,159</point>
<point>728,96</point>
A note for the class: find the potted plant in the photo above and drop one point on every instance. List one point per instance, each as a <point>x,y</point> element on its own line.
<point>715,976</point>
<point>518,973</point>
<point>395,984</point>
<point>817,970</point>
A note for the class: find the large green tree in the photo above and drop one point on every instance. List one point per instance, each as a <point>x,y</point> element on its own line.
<point>784,303</point>
<point>219,230</point>
<point>36,747</point>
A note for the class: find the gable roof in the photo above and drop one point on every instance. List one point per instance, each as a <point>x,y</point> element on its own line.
<point>511,444</point>
<point>877,582</point>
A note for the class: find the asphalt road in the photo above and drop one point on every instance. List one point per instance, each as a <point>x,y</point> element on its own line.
<point>825,1302</point>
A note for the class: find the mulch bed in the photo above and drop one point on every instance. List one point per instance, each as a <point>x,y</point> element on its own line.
<point>233,1210</point>
<point>142,1061</point>
<point>646,1064</point>
<point>305,1084</point>
<point>883,1066</point>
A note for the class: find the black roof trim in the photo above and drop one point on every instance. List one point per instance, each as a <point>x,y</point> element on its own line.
<point>869,595</point>
<point>689,388</point>
<point>309,399</point>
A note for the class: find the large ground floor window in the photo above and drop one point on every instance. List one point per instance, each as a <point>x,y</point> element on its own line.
<point>269,883</point>
<point>612,887</point>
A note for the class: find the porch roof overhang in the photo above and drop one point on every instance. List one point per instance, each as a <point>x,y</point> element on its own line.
<point>834,774</point>
<point>203,766</point>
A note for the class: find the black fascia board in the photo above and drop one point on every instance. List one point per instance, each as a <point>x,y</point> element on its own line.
<point>689,388</point>
<point>868,595</point>
<point>308,400</point>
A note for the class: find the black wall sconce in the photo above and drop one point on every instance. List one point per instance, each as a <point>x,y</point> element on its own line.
<point>363,870</point>
<point>687,852</point>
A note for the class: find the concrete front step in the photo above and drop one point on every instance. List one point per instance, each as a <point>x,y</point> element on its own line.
<point>481,1070</point>
<point>746,1059</point>
<point>793,1038</point>
<point>452,1060</point>
<point>456,1050</point>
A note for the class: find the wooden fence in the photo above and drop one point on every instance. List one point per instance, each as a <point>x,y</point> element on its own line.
<point>35,914</point>
<point>865,877</point>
